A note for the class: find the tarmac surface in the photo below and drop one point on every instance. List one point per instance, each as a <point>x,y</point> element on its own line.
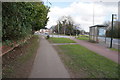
<point>47,63</point>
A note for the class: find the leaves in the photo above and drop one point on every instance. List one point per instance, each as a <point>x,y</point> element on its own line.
<point>20,19</point>
<point>66,26</point>
<point>116,29</point>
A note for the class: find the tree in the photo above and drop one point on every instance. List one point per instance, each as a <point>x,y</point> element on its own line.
<point>20,19</point>
<point>107,23</point>
<point>66,26</point>
<point>116,29</point>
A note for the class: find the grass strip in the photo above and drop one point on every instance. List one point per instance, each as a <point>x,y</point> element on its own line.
<point>115,49</point>
<point>79,59</point>
<point>83,38</point>
<point>61,40</point>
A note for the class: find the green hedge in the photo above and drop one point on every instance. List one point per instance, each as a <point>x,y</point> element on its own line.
<point>20,19</point>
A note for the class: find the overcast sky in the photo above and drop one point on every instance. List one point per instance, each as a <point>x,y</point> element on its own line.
<point>81,11</point>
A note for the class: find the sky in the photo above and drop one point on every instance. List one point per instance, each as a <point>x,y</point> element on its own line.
<point>81,11</point>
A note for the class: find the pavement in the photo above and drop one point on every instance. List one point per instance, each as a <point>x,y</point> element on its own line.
<point>47,63</point>
<point>101,50</point>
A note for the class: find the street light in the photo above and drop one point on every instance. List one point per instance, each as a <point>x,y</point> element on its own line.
<point>64,25</point>
<point>112,29</point>
<point>58,29</point>
<point>76,31</point>
<point>93,13</point>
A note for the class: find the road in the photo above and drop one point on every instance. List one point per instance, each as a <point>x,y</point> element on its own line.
<point>115,42</point>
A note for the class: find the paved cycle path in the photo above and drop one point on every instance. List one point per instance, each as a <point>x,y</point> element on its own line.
<point>47,63</point>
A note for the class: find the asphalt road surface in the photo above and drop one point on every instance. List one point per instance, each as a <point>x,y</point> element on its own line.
<point>115,42</point>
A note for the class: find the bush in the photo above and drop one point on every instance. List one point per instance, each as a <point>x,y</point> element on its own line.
<point>20,19</point>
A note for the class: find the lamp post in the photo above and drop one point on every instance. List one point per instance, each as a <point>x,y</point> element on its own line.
<point>52,30</point>
<point>93,13</point>
<point>112,30</point>
<point>76,31</point>
<point>58,29</point>
<point>64,25</point>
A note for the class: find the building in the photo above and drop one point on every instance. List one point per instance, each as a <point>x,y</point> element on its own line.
<point>45,31</point>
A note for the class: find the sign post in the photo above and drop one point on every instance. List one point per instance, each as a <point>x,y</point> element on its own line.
<point>112,31</point>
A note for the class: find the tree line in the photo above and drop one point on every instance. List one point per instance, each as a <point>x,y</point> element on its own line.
<point>66,25</point>
<point>116,29</point>
<point>21,19</point>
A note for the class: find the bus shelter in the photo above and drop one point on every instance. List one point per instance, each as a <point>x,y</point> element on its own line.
<point>97,32</point>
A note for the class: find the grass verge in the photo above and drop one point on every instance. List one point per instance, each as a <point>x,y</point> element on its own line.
<point>18,62</point>
<point>84,63</point>
<point>83,38</point>
<point>115,49</point>
<point>61,40</point>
